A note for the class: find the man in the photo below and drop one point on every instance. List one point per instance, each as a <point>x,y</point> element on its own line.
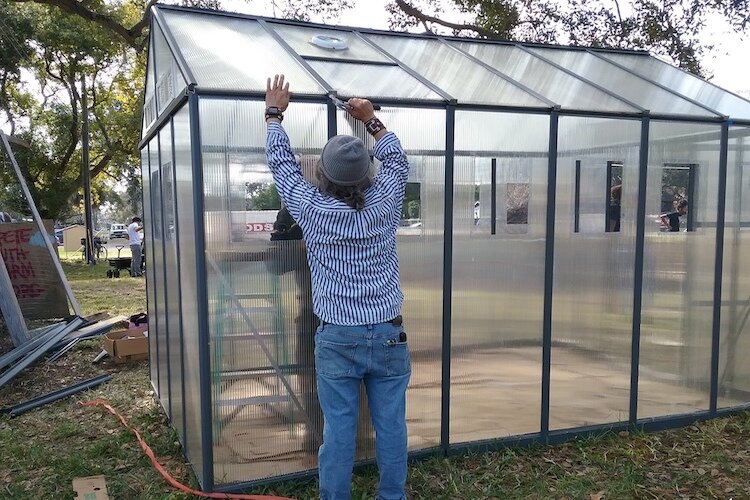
<point>134,236</point>
<point>349,223</point>
<point>671,220</point>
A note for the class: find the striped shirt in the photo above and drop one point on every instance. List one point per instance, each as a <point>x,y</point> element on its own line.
<point>352,255</point>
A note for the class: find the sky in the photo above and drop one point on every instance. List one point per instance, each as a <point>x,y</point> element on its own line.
<point>727,63</point>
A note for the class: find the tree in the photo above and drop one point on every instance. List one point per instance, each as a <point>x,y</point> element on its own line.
<point>134,32</point>
<point>260,196</point>
<point>61,42</point>
<point>64,51</point>
<point>667,27</point>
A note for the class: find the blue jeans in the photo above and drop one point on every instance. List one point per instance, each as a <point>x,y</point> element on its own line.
<point>135,260</point>
<point>346,356</point>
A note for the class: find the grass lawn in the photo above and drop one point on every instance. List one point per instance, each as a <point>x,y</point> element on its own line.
<point>42,451</point>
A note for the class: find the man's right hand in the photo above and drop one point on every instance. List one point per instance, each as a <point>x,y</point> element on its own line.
<point>361,109</point>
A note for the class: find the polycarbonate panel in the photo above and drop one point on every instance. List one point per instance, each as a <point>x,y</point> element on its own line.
<point>169,79</point>
<point>498,279</point>
<point>592,305</point>
<point>684,83</point>
<point>148,243</point>
<point>230,53</point>
<point>359,80</point>
<point>622,83</point>
<point>258,297</point>
<point>149,99</point>
<point>678,274</point>
<point>300,38</point>
<point>159,199</point>
<point>189,276</point>
<point>420,251</point>
<point>734,371</point>
<point>152,240</point>
<point>430,58</point>
<point>172,280</point>
<point>554,84</point>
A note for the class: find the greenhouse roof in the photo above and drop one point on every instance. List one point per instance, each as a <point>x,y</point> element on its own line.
<point>225,53</point>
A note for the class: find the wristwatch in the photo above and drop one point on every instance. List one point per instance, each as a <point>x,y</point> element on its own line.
<point>274,112</point>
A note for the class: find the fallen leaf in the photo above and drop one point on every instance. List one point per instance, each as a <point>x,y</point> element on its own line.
<point>623,434</point>
<point>597,496</point>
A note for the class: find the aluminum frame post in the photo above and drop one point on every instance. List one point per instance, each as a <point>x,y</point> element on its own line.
<point>445,403</point>
<point>719,266</point>
<point>640,241</point>
<point>549,266</point>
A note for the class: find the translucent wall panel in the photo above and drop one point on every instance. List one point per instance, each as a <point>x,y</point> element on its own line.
<point>169,79</point>
<point>257,297</point>
<point>189,276</point>
<point>172,280</point>
<point>622,83</point>
<point>684,83</point>
<point>148,243</point>
<point>359,80</point>
<point>149,106</point>
<point>155,284</point>
<point>592,308</point>
<point>158,199</point>
<point>498,279</point>
<point>734,371</point>
<point>420,250</point>
<point>678,271</point>
<point>300,38</point>
<point>229,53</point>
<point>554,84</point>
<point>466,81</point>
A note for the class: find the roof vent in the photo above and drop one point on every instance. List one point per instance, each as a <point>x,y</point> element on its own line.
<point>329,42</point>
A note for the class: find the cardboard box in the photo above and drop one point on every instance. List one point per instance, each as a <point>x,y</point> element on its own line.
<point>90,488</point>
<point>126,345</point>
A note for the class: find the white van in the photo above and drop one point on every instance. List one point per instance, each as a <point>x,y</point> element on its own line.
<point>118,231</point>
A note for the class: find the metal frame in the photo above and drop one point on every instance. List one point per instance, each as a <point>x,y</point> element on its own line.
<point>445,379</point>
<point>493,194</point>
<point>549,264</point>
<point>193,95</point>
<point>719,267</point>
<point>640,241</point>
<point>204,341</point>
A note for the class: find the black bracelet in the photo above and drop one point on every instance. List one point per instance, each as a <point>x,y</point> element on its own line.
<point>274,112</point>
<point>373,125</point>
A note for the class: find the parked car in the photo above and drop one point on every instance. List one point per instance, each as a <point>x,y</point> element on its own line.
<point>118,231</point>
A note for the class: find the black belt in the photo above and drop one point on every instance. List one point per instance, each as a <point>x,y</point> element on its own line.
<point>397,321</point>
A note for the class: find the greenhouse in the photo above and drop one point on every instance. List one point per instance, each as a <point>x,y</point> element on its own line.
<point>571,243</point>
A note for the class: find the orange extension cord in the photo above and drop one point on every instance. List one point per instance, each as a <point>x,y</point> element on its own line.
<point>166,475</point>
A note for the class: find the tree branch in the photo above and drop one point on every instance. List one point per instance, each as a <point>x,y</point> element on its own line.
<point>423,18</point>
<point>132,36</point>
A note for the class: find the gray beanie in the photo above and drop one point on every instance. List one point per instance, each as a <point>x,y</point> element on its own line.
<point>345,161</point>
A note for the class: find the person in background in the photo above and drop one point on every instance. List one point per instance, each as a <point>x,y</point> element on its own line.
<point>349,224</point>
<point>671,221</point>
<point>288,254</point>
<point>615,209</point>
<point>134,236</point>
